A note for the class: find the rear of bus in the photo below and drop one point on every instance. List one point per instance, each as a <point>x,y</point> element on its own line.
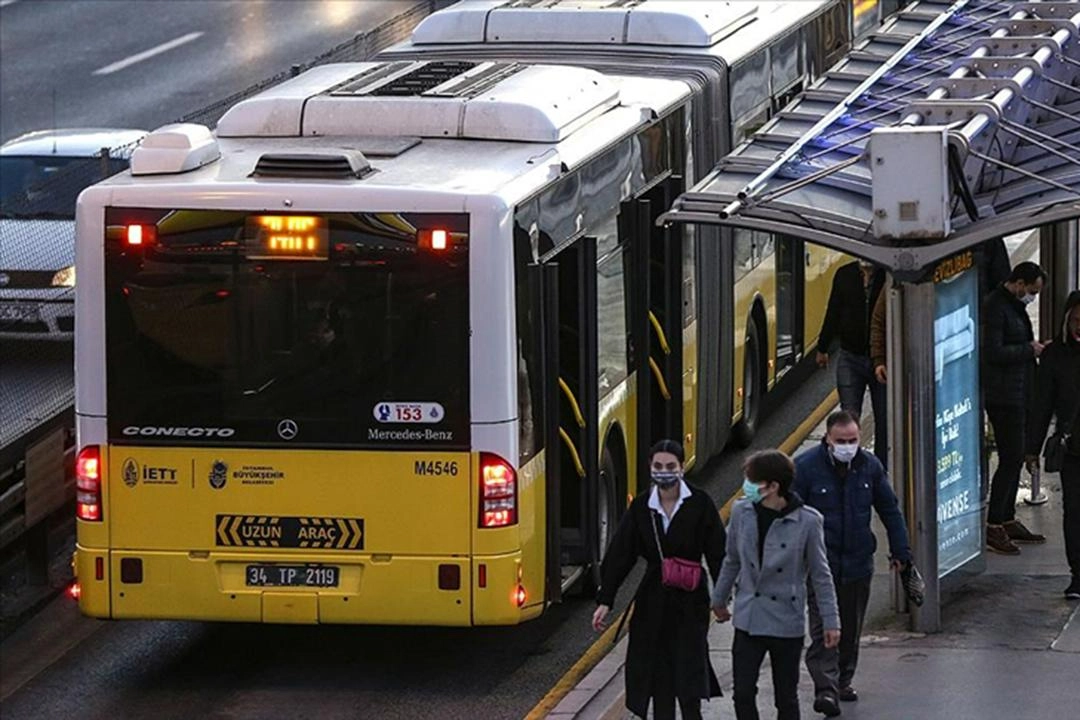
<point>274,421</point>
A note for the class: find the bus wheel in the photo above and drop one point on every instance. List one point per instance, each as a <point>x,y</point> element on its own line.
<point>607,511</point>
<point>753,389</point>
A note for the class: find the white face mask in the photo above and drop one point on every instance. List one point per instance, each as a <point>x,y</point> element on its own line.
<point>1028,299</point>
<point>845,453</point>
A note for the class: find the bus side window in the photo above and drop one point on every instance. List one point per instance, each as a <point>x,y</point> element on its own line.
<point>529,362</point>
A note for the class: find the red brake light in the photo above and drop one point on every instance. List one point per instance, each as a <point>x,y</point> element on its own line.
<point>138,235</point>
<point>75,591</point>
<point>520,596</point>
<point>433,239</point>
<point>498,492</point>
<point>88,483</point>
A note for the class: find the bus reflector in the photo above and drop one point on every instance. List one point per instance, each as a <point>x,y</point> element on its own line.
<point>99,568</point>
<point>481,575</point>
<point>88,484</point>
<point>498,492</point>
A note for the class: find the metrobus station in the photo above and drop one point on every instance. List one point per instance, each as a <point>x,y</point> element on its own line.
<point>382,346</point>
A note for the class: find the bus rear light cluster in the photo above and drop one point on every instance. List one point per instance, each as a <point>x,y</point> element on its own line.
<point>498,492</point>
<point>88,484</point>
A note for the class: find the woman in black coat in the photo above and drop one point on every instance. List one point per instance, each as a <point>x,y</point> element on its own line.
<point>668,656</point>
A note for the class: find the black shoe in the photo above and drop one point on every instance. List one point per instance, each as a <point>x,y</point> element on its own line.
<point>1020,534</point>
<point>848,694</point>
<point>1072,592</point>
<point>826,704</point>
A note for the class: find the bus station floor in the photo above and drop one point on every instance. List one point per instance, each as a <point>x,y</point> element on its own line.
<point>1009,646</point>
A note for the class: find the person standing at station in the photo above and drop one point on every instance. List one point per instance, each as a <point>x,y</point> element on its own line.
<point>855,289</point>
<point>776,544</point>
<point>672,524</point>
<point>1009,354</point>
<point>843,482</point>
<point>878,341</point>
<point>1057,394</point>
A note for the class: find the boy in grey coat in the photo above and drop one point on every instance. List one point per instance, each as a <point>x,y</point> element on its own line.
<point>774,543</point>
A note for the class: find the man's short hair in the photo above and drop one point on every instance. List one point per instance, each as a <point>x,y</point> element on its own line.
<point>1027,271</point>
<point>841,417</point>
<point>668,446</point>
<point>771,466</point>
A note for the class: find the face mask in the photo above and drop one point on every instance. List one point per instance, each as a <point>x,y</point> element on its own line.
<point>665,480</point>
<point>752,491</point>
<point>1028,299</point>
<point>845,453</point>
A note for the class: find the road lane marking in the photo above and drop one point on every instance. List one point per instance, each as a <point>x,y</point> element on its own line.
<point>5,3</point>
<point>604,644</point>
<point>147,54</point>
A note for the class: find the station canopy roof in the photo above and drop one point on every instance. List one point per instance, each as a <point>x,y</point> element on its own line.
<point>1000,79</point>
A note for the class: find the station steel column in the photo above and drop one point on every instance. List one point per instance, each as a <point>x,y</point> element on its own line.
<point>1059,247</point>
<point>912,434</point>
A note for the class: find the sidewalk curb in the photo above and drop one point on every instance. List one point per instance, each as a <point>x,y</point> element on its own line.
<point>601,694</point>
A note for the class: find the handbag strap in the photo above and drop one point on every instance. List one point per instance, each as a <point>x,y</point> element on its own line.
<point>653,516</point>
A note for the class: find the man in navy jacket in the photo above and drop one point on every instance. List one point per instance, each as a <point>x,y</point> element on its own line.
<point>844,482</point>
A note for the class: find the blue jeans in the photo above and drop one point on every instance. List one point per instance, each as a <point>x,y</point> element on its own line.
<point>853,374</point>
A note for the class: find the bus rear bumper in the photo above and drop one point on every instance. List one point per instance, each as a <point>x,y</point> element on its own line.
<point>372,589</point>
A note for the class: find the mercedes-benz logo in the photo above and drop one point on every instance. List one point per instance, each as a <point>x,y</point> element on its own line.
<point>4,279</point>
<point>287,429</point>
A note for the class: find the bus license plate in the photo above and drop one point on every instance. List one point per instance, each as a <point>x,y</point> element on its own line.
<point>19,312</point>
<point>323,576</point>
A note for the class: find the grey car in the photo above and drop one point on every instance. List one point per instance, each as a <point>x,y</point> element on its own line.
<point>41,176</point>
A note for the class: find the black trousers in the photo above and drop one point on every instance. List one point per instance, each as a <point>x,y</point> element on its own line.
<point>1008,424</point>
<point>663,681</point>
<point>1070,495</point>
<point>747,653</point>
<point>834,668</point>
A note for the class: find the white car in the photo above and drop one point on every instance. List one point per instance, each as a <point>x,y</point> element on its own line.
<point>41,176</point>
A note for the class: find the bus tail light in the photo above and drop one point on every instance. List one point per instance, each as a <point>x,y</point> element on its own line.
<point>88,484</point>
<point>498,492</point>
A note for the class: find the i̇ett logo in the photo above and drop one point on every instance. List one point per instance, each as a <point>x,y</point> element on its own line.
<point>131,473</point>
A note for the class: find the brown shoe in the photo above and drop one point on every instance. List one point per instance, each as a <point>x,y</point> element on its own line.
<point>1020,534</point>
<point>997,540</point>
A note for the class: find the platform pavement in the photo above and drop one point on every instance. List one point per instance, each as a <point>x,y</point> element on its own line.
<point>1010,646</point>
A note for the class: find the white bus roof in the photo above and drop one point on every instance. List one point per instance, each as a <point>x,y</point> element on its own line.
<point>652,22</point>
<point>411,141</point>
<point>730,30</point>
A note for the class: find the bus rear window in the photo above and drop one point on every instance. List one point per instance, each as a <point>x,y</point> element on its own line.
<point>263,329</point>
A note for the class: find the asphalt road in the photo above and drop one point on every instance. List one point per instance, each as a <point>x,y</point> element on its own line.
<point>144,63</point>
<point>185,670</point>
<point>37,380</point>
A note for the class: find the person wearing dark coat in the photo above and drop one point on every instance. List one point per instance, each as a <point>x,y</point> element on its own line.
<point>1009,353</point>
<point>846,484</point>
<point>668,657</point>
<point>855,291</point>
<point>994,265</point>
<point>1057,394</point>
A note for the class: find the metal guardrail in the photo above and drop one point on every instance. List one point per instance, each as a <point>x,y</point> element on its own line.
<point>37,439</point>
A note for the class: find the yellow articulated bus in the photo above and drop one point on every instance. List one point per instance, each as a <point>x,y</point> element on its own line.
<point>389,345</point>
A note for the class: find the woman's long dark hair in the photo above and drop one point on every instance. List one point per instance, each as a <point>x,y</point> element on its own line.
<point>668,446</point>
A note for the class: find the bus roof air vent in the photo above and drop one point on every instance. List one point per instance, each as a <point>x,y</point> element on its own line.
<point>175,148</point>
<point>687,23</point>
<point>330,165</point>
<point>440,99</point>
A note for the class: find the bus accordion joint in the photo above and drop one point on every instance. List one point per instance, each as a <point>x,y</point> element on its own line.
<point>578,417</point>
<point>578,467</point>
<point>660,335</point>
<point>660,379</point>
